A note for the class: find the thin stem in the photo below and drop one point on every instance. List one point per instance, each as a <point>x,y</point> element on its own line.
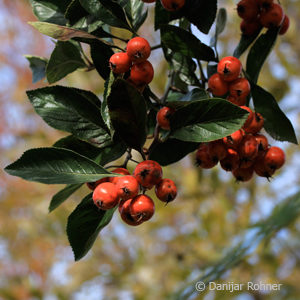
<point>169,88</point>
<point>128,157</point>
<point>156,47</point>
<point>203,78</point>
<point>153,96</point>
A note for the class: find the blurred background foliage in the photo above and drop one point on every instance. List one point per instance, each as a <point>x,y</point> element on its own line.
<point>153,261</point>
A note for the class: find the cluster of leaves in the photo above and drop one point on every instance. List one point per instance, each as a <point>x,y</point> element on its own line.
<point>102,131</point>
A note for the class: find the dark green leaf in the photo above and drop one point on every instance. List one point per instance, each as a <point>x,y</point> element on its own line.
<point>101,54</point>
<point>276,123</point>
<point>171,151</point>
<point>63,195</point>
<point>101,156</point>
<point>201,13</point>
<point>182,41</point>
<point>220,26</point>
<point>84,225</point>
<point>109,12</point>
<point>259,53</point>
<point>127,110</point>
<point>134,12</point>
<point>206,120</point>
<point>243,45</point>
<point>65,59</point>
<point>75,12</point>
<point>163,17</point>
<point>51,11</point>
<point>70,110</point>
<point>37,66</point>
<point>56,166</point>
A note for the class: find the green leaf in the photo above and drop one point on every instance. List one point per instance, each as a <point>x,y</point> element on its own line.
<point>65,59</point>
<point>243,45</point>
<point>220,26</point>
<point>201,13</point>
<point>70,110</point>
<point>127,110</point>
<point>84,225</point>
<point>108,12</point>
<point>259,53</point>
<point>163,17</point>
<point>195,94</point>
<point>64,33</point>
<point>182,41</point>
<point>276,123</point>
<point>101,54</point>
<point>206,120</point>
<point>63,195</point>
<point>104,108</point>
<point>51,11</point>
<point>75,12</point>
<point>56,166</point>
<point>171,151</point>
<point>134,12</point>
<point>38,67</point>
<point>101,156</point>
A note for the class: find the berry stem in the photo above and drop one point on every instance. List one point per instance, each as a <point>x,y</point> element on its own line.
<point>156,47</point>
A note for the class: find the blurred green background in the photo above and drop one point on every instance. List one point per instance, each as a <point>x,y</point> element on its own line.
<point>152,261</point>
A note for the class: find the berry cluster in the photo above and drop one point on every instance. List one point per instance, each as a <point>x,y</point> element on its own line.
<point>124,191</point>
<point>227,81</point>
<point>245,151</point>
<point>261,13</point>
<point>134,60</point>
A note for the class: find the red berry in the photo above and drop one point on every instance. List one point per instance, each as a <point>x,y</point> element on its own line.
<point>248,9</point>
<point>250,116</point>
<point>274,158</point>
<point>248,148</point>
<point>127,186</point>
<point>93,185</point>
<point>285,25</point>
<point>120,63</point>
<point>231,161</point>
<point>148,173</point>
<point>229,68</point>
<point>262,141</point>
<point>250,28</point>
<point>124,211</point>
<point>240,88</point>
<point>217,149</point>
<point>256,124</point>
<point>265,4</point>
<point>243,174</point>
<point>141,73</point>
<point>234,139</point>
<point>141,208</point>
<point>272,17</point>
<point>105,196</point>
<point>138,49</point>
<point>163,117</point>
<point>261,169</point>
<point>217,86</point>
<point>172,5</point>
<point>204,158</point>
<point>121,171</point>
<point>166,190</point>
<point>237,101</point>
